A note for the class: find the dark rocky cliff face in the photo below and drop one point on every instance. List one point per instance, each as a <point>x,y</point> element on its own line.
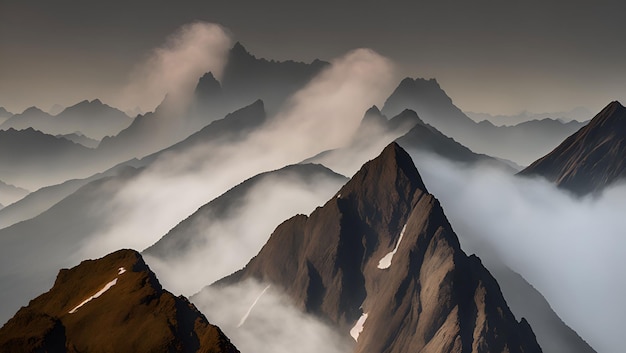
<point>381,256</point>
<point>590,159</point>
<point>113,304</point>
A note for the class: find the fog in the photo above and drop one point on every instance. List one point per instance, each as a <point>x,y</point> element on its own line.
<point>174,68</point>
<point>323,115</point>
<point>273,325</point>
<point>572,250</point>
<point>223,242</point>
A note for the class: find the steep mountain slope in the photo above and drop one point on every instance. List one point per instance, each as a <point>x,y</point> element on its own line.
<point>113,304</point>
<point>381,258</point>
<point>590,159</point>
<point>523,299</point>
<point>92,118</point>
<point>521,144</point>
<point>237,224</point>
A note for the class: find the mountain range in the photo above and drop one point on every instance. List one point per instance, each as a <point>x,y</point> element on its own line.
<point>93,119</point>
<point>520,143</point>
<point>579,113</point>
<point>378,265</point>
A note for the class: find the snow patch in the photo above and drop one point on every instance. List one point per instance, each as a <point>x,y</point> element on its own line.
<point>99,293</point>
<point>338,196</point>
<point>385,262</point>
<point>243,319</point>
<point>121,270</point>
<point>358,327</point>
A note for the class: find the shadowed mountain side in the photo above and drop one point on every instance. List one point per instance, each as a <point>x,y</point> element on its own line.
<point>113,304</point>
<point>10,194</point>
<point>237,224</point>
<point>592,158</point>
<point>92,118</point>
<point>524,300</point>
<point>81,139</point>
<point>232,128</point>
<point>39,201</point>
<point>247,78</point>
<point>30,158</point>
<point>383,247</point>
<point>153,132</point>
<point>522,143</point>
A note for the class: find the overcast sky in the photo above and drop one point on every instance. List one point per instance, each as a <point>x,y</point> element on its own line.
<point>489,56</point>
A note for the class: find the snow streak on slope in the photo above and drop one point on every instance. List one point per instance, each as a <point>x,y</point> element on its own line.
<point>99,293</point>
<point>385,262</point>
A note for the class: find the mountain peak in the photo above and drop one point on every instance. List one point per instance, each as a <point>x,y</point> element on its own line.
<point>208,86</point>
<point>380,259</point>
<point>100,305</point>
<point>590,159</point>
<point>393,168</point>
<point>239,50</point>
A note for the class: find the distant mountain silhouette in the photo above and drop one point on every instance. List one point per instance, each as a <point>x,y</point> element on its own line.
<point>381,259</point>
<point>592,158</point>
<point>553,334</point>
<point>521,144</point>
<point>372,135</point>
<point>579,114</point>
<point>92,118</point>
<point>10,194</point>
<point>80,139</point>
<point>247,78</point>
<point>112,304</point>
<point>4,115</point>
<point>30,158</point>
<point>408,130</point>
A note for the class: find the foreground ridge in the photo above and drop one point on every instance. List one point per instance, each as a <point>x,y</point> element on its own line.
<point>113,304</point>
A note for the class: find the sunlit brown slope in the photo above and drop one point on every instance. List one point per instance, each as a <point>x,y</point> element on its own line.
<point>133,313</point>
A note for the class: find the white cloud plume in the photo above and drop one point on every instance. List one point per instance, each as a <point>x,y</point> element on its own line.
<point>572,250</point>
<point>274,325</point>
<point>175,68</point>
<point>322,115</point>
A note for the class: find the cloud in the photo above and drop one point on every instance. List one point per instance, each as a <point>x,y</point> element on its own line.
<point>174,68</point>
<point>274,325</point>
<point>224,242</point>
<point>572,250</point>
<point>322,115</point>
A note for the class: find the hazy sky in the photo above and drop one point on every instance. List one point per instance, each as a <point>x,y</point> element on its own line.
<point>490,56</point>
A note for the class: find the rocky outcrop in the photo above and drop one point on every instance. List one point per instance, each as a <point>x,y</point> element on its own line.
<point>113,304</point>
